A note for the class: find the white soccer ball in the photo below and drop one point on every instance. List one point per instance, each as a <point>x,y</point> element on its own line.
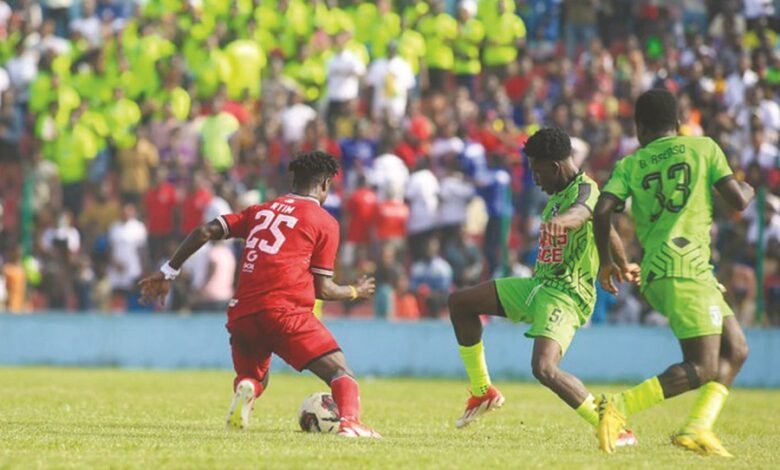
<point>319,413</point>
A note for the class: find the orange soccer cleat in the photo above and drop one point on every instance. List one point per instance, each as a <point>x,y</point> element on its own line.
<point>477,406</point>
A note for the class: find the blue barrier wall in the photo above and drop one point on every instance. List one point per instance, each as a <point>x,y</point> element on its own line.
<point>604,354</point>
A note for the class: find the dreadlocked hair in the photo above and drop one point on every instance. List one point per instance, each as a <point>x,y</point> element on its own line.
<point>312,168</point>
<point>550,143</point>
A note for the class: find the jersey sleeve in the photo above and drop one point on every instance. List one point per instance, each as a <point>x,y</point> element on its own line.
<point>718,164</point>
<point>323,259</point>
<point>236,225</point>
<point>618,182</point>
<point>587,194</point>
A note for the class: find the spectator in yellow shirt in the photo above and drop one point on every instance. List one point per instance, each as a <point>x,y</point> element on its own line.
<point>503,39</point>
<point>471,32</point>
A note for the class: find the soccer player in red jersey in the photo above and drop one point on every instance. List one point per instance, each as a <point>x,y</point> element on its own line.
<point>288,261</point>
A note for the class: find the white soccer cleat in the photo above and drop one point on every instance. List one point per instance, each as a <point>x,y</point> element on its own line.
<point>241,407</point>
<point>477,406</point>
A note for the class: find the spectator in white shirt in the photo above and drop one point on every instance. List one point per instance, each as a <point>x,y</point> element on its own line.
<point>391,79</point>
<point>127,245</point>
<point>295,119</point>
<point>5,14</point>
<point>456,193</point>
<point>344,71</point>
<point>423,196</point>
<point>755,106</point>
<point>217,290</point>
<point>760,151</point>
<point>389,174</point>
<point>771,229</point>
<point>738,81</point>
<point>64,232</point>
<point>88,24</point>
<point>218,205</point>
<point>51,42</point>
<point>22,68</point>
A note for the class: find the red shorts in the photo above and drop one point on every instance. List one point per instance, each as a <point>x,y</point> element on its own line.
<point>297,337</point>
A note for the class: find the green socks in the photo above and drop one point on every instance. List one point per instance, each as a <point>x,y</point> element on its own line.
<point>707,407</point>
<point>643,396</point>
<point>587,411</point>
<point>476,368</point>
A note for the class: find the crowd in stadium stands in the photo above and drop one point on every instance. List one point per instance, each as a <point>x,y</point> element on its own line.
<point>124,125</point>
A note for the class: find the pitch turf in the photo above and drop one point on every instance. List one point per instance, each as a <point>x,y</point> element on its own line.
<point>83,418</point>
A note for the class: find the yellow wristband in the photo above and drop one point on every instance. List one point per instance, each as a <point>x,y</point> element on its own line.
<point>354,292</point>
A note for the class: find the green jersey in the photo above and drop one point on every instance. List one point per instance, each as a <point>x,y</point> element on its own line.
<point>569,263</point>
<point>670,184</point>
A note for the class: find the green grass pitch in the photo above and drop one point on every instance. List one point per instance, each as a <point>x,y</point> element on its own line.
<point>97,418</point>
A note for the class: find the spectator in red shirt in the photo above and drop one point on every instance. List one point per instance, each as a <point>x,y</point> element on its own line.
<point>194,203</point>
<point>361,217</point>
<point>160,204</point>
<point>391,217</point>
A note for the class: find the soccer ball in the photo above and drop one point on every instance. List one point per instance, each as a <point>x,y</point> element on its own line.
<point>319,413</point>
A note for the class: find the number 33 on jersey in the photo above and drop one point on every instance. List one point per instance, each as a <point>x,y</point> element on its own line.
<point>288,240</point>
<point>670,182</point>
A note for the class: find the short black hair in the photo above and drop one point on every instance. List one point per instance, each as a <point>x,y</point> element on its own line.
<point>312,168</point>
<point>550,143</point>
<point>656,110</point>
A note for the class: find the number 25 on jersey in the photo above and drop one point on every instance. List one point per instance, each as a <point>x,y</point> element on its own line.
<point>267,235</point>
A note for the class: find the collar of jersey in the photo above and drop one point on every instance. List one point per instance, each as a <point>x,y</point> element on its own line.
<point>575,178</point>
<point>309,198</point>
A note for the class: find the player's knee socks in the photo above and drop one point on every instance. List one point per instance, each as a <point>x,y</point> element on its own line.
<point>712,397</point>
<point>258,385</point>
<point>346,393</point>
<point>476,368</point>
<point>643,396</point>
<point>587,411</point>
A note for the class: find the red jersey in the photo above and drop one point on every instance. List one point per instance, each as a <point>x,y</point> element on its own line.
<point>192,209</point>
<point>288,240</point>
<point>160,202</point>
<point>361,207</point>
<point>391,220</point>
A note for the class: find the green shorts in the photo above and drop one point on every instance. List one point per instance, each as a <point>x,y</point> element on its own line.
<point>552,313</point>
<point>694,308</point>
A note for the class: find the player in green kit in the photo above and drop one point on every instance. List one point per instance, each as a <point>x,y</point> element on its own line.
<point>557,301</point>
<point>670,180</point>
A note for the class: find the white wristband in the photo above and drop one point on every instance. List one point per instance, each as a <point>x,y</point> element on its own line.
<point>169,273</point>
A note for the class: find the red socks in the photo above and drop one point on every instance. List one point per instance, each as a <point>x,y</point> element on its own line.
<point>258,385</point>
<point>347,396</point>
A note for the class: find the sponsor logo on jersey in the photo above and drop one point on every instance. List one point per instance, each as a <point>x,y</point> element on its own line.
<point>551,248</point>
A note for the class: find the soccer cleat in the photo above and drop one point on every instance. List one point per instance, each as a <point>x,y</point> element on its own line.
<point>701,441</point>
<point>477,406</point>
<point>626,438</point>
<point>241,407</point>
<point>611,424</point>
<point>354,428</point>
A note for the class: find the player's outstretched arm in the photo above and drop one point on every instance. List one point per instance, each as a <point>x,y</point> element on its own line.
<point>155,287</point>
<point>737,195</point>
<point>326,289</point>
<point>602,229</point>
<point>571,219</point>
